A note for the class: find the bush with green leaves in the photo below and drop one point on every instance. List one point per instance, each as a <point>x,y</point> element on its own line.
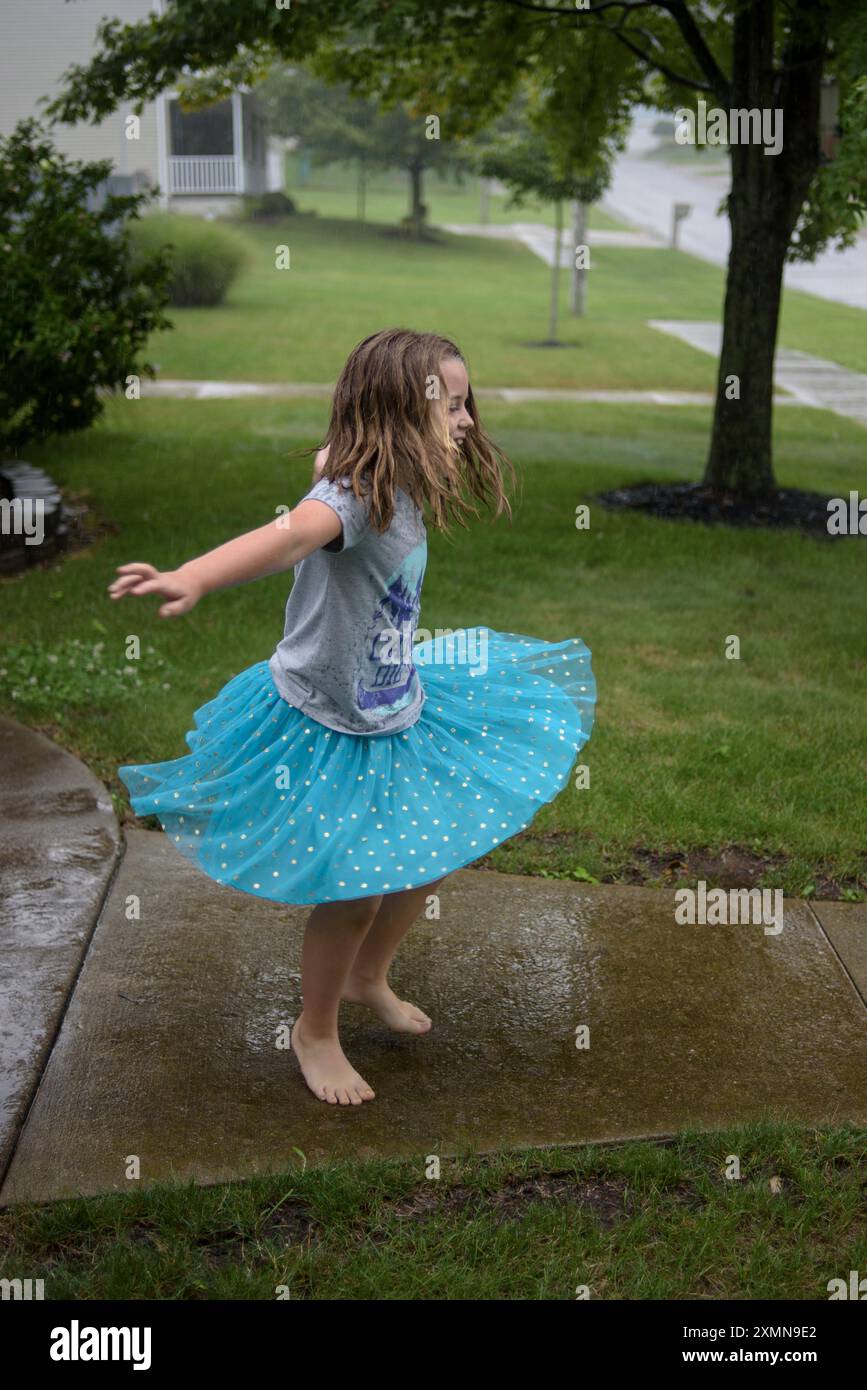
<point>205,258</point>
<point>74,309</point>
<point>267,205</point>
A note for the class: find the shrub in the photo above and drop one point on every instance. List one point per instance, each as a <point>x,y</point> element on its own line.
<point>205,258</point>
<point>75,305</point>
<point>274,204</point>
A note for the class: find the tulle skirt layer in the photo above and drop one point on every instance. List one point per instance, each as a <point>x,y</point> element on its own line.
<point>277,805</point>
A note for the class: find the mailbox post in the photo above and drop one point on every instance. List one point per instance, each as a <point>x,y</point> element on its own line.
<point>678,212</point>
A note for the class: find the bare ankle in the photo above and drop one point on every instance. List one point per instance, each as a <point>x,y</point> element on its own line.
<point>368,977</point>
<point>313,1031</point>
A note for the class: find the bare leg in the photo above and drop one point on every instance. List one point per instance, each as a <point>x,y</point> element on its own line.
<point>332,937</point>
<point>367,981</point>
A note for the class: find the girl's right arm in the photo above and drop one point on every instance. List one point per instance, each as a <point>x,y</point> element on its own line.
<point>279,545</point>
<point>319,463</point>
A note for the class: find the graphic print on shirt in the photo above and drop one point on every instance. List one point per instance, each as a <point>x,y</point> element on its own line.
<point>380,683</point>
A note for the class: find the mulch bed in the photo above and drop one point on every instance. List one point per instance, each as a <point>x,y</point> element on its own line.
<point>785,507</point>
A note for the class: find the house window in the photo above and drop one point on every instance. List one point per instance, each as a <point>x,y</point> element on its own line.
<point>207,132</point>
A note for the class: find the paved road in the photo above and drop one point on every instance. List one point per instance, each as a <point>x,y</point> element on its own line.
<point>643,192</point>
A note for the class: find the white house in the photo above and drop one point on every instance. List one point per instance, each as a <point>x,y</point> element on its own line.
<point>201,161</point>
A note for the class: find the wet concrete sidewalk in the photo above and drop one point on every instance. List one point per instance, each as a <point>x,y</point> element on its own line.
<point>167,1049</point>
<point>513,395</point>
<point>813,381</point>
<point>59,843</point>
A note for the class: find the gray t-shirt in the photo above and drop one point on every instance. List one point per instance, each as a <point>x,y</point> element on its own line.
<point>346,655</point>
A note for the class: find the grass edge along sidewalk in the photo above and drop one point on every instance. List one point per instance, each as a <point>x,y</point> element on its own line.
<point>655,1220</point>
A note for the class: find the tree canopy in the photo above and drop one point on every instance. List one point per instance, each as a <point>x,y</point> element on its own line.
<point>462,60</point>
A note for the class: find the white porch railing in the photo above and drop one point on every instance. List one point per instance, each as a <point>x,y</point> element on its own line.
<point>205,174</point>
<point>215,174</point>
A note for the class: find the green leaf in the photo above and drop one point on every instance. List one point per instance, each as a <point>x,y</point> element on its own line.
<point>584,876</point>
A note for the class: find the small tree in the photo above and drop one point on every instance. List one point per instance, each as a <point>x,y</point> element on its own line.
<point>522,163</point>
<point>76,305</point>
<point>338,126</point>
<point>332,125</point>
<point>406,137</point>
<point>523,151</point>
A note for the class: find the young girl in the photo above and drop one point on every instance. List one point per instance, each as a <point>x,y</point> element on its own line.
<point>356,768</point>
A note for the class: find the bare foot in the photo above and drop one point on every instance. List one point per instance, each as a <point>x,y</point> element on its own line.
<point>399,1014</point>
<point>326,1069</point>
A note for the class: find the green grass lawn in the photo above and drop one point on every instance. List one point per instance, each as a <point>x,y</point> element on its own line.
<point>332,192</point>
<point>689,750</point>
<point>638,1221</point>
<point>347,280</point>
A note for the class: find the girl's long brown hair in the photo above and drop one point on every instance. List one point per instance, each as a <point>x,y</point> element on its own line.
<point>389,429</point>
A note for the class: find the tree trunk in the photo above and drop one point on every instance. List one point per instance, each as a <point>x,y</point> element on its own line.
<point>740,458</point>
<point>362,188</point>
<point>579,275</point>
<point>416,215</point>
<point>555,272</point>
<point>767,193</point>
<point>484,201</point>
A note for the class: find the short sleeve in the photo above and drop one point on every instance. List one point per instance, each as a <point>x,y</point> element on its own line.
<point>342,500</point>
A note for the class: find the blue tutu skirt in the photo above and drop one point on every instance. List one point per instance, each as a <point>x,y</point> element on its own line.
<point>277,805</point>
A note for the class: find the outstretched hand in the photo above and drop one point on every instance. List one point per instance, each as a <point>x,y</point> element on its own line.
<point>139,579</point>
